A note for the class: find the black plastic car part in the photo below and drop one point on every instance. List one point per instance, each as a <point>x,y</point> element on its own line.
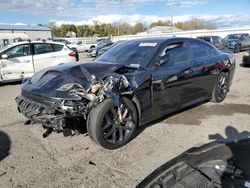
<point>213,165</point>
<point>246,60</point>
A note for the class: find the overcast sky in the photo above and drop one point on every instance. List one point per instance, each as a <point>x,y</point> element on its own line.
<point>222,13</point>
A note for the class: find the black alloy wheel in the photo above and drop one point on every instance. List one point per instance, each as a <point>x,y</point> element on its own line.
<point>221,88</point>
<point>110,126</point>
<point>115,131</point>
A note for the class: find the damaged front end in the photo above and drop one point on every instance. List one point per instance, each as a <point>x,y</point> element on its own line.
<point>73,101</point>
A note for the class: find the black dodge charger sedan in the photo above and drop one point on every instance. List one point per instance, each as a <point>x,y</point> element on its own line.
<point>132,84</point>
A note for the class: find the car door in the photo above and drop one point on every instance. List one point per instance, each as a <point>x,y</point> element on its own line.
<point>61,54</point>
<point>204,69</point>
<point>173,81</point>
<point>44,56</point>
<point>17,62</point>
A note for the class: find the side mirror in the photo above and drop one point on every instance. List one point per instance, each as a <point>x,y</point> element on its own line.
<point>4,56</point>
<point>162,60</point>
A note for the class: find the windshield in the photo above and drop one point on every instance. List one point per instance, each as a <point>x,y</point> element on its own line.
<point>237,36</point>
<point>130,53</point>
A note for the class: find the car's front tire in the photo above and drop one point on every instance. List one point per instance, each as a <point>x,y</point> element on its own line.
<point>106,129</point>
<point>221,88</point>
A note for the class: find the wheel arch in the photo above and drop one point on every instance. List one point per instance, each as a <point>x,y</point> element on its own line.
<point>225,70</point>
<point>137,104</point>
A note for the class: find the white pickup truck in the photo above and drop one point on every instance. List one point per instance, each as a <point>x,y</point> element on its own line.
<point>77,45</point>
<point>23,59</point>
<point>82,46</point>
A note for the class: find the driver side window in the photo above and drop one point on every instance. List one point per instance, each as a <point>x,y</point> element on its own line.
<point>176,53</point>
<point>18,51</point>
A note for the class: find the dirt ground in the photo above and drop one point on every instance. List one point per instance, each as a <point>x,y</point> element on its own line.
<point>28,160</point>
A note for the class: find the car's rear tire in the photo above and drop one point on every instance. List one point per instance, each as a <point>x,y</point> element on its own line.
<point>221,88</point>
<point>105,128</point>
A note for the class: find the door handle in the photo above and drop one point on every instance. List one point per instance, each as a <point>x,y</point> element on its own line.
<point>52,56</point>
<point>27,61</point>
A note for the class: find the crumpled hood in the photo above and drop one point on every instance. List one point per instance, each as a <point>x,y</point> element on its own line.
<point>47,81</point>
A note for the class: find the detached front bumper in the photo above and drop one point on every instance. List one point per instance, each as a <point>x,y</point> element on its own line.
<point>41,113</point>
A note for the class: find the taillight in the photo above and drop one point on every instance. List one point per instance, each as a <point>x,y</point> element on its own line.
<point>72,54</point>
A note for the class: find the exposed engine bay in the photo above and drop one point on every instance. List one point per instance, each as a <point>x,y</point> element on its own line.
<point>95,94</point>
<point>73,101</point>
<point>215,165</point>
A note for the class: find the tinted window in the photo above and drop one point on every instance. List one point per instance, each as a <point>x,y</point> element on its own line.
<point>245,37</point>
<point>79,43</point>
<point>216,40</point>
<point>204,38</point>
<point>220,40</point>
<point>198,50</point>
<point>176,54</point>
<point>42,48</point>
<point>107,45</point>
<point>130,53</point>
<point>18,51</point>
<point>234,36</point>
<point>56,47</point>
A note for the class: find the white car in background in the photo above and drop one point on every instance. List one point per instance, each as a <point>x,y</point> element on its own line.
<point>82,46</point>
<point>77,45</point>
<point>23,59</point>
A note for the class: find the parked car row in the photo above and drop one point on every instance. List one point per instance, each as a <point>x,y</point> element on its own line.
<point>233,42</point>
<point>99,49</point>
<point>23,59</point>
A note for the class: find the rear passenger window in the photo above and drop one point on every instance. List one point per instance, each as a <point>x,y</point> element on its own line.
<point>42,48</point>
<point>56,47</point>
<point>198,50</point>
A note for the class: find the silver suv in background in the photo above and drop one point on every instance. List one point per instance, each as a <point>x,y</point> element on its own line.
<point>238,42</point>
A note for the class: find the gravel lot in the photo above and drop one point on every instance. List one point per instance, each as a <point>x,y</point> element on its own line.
<point>28,160</point>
